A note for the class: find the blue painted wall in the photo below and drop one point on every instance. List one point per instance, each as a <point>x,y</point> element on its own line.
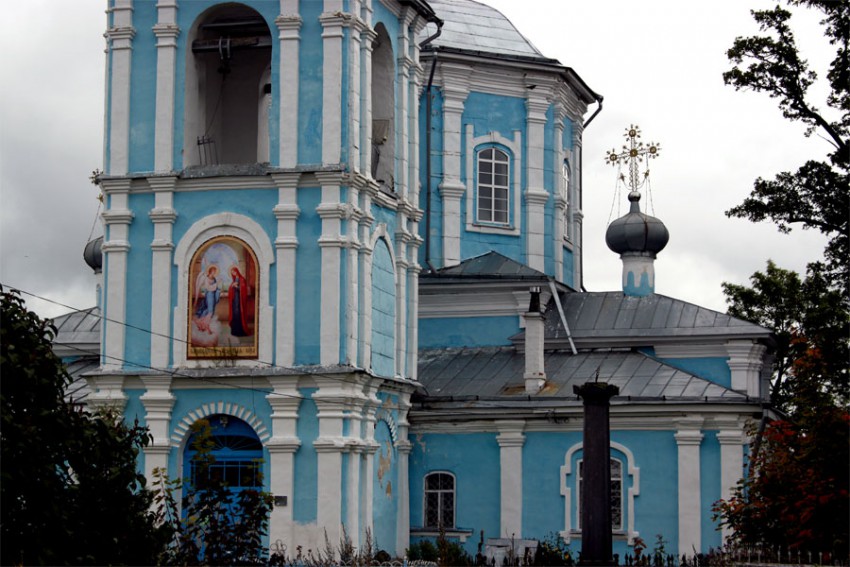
<point>308,271</point>
<point>306,462</point>
<point>383,310</point>
<point>715,368</point>
<point>142,89</point>
<point>467,331</point>
<point>385,489</point>
<point>474,460</point>
<point>139,264</point>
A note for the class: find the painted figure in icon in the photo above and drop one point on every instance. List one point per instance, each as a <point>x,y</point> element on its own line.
<point>239,306</point>
<point>207,295</point>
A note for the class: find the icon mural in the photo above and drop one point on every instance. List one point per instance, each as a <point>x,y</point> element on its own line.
<point>223,302</point>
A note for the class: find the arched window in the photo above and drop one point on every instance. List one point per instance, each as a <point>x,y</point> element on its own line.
<point>237,453</point>
<point>383,309</point>
<point>439,509</point>
<point>227,87</point>
<point>616,495</point>
<point>383,110</point>
<point>493,186</point>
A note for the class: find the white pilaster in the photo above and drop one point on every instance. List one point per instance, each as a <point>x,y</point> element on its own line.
<point>560,193</point>
<point>688,440</point>
<point>329,445</point>
<point>355,86</point>
<point>368,36</point>
<point>352,259</point>
<point>106,392</point>
<point>575,211</point>
<point>166,32</point>
<point>455,79</point>
<point>331,211</point>
<point>333,21</point>
<point>286,244</point>
<point>413,271</point>
<point>289,26</point>
<point>120,39</point>
<point>117,218</point>
<point>536,195</point>
<point>745,363</point>
<point>284,400</point>
<point>403,65</point>
<point>511,440</point>
<point>732,440</point>
<point>162,216</point>
<point>158,401</point>
<point>365,262</point>
<point>402,237</point>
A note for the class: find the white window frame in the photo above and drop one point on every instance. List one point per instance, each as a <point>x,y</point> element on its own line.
<point>513,148</point>
<point>630,473</point>
<point>426,491</point>
<point>488,162</point>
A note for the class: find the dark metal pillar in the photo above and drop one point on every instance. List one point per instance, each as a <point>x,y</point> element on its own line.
<point>595,494</point>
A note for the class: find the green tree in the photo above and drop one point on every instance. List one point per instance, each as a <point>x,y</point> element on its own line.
<point>803,314</point>
<point>817,195</point>
<point>70,492</point>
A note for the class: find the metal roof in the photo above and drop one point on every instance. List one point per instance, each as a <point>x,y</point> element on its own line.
<point>78,333</point>
<point>601,315</point>
<point>469,374</point>
<point>491,265</point>
<point>78,390</point>
<point>475,27</point>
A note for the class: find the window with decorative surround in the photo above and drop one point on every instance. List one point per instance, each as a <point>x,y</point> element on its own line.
<point>616,495</point>
<point>493,182</point>
<point>439,509</point>
<point>493,186</point>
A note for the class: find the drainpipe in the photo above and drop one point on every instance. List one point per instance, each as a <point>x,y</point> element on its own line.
<point>581,182</point>
<point>428,143</point>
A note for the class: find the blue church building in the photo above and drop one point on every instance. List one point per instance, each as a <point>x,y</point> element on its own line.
<point>349,234</point>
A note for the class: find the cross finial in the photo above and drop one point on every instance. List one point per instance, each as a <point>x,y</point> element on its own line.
<point>633,151</point>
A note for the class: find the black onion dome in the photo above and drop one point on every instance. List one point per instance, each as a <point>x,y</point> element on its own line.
<point>93,255</point>
<point>636,231</point>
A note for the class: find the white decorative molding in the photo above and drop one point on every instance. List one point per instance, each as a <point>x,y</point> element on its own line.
<point>286,212</point>
<point>120,41</point>
<point>746,359</point>
<point>183,429</point>
<point>634,490</point>
<point>688,440</point>
<point>289,37</point>
<point>246,229</point>
<point>514,147</point>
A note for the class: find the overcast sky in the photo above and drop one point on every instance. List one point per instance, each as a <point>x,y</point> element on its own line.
<point>658,64</point>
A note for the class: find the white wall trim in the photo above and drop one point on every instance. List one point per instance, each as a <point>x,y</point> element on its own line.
<point>183,429</point>
<point>224,224</point>
<point>634,490</point>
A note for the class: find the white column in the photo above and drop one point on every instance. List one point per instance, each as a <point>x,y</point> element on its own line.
<point>732,441</point>
<point>404,447</point>
<point>116,246</point>
<point>455,80</point>
<point>558,195</point>
<point>166,32</point>
<point>355,86</point>
<point>402,237</point>
<point>286,244</point>
<point>536,195</point>
<point>158,401</point>
<point>120,38</point>
<point>162,216</point>
<point>331,211</point>
<point>511,440</point>
<point>284,400</point>
<point>289,26</point>
<point>688,440</point>
<point>745,364</point>
<point>575,205</point>
<point>352,261</point>
<point>365,260</point>
<point>329,445</point>
<point>333,21</point>
<point>369,448</point>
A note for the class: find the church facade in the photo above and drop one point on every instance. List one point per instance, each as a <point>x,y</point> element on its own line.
<point>348,233</point>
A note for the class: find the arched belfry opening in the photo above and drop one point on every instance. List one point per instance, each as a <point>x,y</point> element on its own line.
<point>383,110</point>
<point>228,88</point>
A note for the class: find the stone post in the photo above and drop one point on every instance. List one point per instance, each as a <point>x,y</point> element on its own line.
<point>596,543</point>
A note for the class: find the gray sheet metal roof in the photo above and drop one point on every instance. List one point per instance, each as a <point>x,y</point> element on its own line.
<point>78,333</point>
<point>497,372</point>
<point>491,265</point>
<point>475,27</point>
<point>78,390</point>
<point>598,315</point>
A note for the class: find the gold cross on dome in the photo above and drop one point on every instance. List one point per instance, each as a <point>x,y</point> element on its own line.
<point>633,151</point>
